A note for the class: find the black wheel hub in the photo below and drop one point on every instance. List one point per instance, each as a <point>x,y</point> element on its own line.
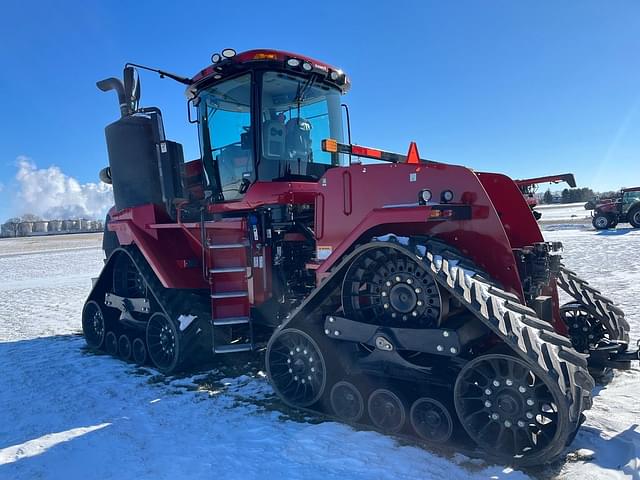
<point>296,367</point>
<point>403,298</point>
<point>385,287</point>
<point>504,407</point>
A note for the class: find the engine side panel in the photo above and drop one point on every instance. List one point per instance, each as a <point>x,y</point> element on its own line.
<point>367,200</point>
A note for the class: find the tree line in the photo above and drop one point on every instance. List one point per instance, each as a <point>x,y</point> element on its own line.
<point>574,195</point>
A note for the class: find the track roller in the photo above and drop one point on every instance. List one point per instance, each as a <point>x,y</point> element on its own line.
<point>386,411</point>
<point>139,351</point>
<point>111,343</point>
<point>296,367</point>
<point>93,324</point>
<point>346,402</point>
<point>431,420</point>
<point>124,347</point>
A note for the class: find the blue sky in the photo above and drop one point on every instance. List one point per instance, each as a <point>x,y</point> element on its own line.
<point>522,87</point>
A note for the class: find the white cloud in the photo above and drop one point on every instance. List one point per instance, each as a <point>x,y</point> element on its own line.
<point>50,193</point>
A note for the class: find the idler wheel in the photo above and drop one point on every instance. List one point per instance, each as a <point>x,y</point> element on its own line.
<point>296,367</point>
<point>93,325</point>
<point>163,342</point>
<point>509,410</point>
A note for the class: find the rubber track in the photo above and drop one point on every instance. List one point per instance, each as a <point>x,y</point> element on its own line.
<point>602,308</point>
<point>549,355</point>
<point>175,303</point>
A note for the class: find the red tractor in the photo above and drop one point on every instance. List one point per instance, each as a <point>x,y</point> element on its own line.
<point>409,296</point>
<point>529,186</point>
<point>625,208</point>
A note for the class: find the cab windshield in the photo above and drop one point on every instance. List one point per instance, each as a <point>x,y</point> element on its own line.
<point>296,115</point>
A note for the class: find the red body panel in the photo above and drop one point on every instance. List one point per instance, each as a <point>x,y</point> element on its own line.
<point>352,204</point>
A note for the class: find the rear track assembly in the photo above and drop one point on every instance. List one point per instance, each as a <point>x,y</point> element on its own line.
<point>523,407</point>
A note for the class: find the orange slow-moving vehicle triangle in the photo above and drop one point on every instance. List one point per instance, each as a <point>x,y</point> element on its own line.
<point>412,155</point>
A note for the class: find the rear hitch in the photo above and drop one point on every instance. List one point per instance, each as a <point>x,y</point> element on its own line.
<point>614,355</point>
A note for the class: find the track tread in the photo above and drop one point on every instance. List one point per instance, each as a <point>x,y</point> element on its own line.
<point>601,307</point>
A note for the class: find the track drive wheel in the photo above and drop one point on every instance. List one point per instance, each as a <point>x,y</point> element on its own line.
<point>163,343</point>
<point>127,279</point>
<point>431,420</point>
<point>511,412</point>
<point>296,367</point>
<point>393,289</point>
<point>386,411</point>
<point>93,325</point>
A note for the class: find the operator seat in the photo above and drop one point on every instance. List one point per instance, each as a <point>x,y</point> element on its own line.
<point>299,139</point>
<point>273,139</point>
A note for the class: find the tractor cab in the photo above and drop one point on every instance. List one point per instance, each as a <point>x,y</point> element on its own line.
<point>630,198</point>
<point>262,116</point>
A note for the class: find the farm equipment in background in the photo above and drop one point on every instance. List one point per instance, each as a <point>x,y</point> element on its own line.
<point>607,213</point>
<point>414,297</point>
<point>529,187</point>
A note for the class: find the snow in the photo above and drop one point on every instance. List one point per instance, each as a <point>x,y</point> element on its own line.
<point>564,213</point>
<point>68,413</point>
<point>185,321</point>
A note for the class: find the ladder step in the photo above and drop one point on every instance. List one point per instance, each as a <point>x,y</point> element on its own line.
<point>228,270</point>
<point>230,321</point>
<point>230,294</point>
<point>227,245</point>
<point>234,347</point>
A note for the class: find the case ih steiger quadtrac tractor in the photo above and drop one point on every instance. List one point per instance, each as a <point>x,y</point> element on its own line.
<point>414,297</point>
<point>626,208</point>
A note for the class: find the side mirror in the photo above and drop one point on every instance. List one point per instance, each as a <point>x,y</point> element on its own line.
<point>131,87</point>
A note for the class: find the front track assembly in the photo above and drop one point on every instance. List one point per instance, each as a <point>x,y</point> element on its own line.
<point>129,314</point>
<point>516,387</point>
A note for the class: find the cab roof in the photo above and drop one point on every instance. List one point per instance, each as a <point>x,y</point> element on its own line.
<point>266,59</point>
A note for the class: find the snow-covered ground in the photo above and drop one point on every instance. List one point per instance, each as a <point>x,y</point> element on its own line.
<point>67,413</point>
<point>566,213</point>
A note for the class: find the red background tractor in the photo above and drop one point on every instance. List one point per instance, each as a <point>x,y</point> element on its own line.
<point>624,208</point>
